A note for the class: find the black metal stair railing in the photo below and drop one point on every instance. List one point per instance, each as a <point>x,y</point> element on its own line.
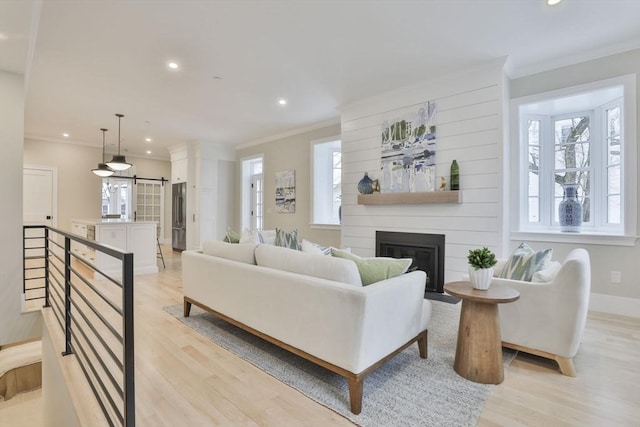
<point>94,310</point>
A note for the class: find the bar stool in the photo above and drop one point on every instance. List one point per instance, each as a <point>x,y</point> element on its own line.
<point>159,253</point>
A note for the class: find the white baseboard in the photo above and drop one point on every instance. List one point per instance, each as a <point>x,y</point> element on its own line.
<point>615,305</point>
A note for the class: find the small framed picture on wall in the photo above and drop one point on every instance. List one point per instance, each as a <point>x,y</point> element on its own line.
<point>286,191</point>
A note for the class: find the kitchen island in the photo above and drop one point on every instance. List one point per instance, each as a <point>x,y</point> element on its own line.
<point>138,237</point>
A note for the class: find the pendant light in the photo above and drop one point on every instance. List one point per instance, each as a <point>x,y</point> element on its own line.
<point>119,163</point>
<point>102,169</point>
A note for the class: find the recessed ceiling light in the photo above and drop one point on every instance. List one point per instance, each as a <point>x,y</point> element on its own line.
<point>148,151</point>
<point>173,65</point>
<point>148,139</point>
<point>282,101</point>
<point>66,135</point>
<point>553,2</point>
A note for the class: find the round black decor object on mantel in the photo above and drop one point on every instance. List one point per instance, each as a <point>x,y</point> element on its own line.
<point>364,186</point>
<point>570,209</point>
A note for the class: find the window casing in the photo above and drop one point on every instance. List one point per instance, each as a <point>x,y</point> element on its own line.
<point>257,201</point>
<point>117,197</point>
<point>578,135</point>
<point>252,193</point>
<point>326,183</point>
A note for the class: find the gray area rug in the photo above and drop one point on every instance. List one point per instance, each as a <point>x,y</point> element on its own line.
<point>406,391</point>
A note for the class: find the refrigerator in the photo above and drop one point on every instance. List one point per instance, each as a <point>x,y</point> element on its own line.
<point>179,216</point>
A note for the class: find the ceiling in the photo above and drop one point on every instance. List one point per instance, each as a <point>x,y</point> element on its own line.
<point>92,59</point>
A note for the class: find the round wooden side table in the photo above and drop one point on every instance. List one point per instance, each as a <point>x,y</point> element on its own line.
<point>479,346</point>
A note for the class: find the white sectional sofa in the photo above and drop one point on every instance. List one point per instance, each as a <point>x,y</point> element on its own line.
<point>312,305</point>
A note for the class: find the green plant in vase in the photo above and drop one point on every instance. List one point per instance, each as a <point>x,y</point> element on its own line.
<point>481,262</point>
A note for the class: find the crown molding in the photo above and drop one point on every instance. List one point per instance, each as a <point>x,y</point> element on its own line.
<point>293,132</point>
<point>91,145</point>
<point>568,60</point>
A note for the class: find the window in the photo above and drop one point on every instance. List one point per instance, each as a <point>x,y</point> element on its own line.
<point>257,201</point>
<point>252,194</point>
<point>578,136</point>
<point>326,158</point>
<point>116,197</point>
<point>150,202</point>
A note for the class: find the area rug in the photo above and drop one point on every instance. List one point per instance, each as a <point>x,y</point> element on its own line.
<point>406,391</point>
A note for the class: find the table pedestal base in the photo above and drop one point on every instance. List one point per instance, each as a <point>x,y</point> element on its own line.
<point>479,351</point>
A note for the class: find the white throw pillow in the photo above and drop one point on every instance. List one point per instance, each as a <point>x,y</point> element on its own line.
<point>231,251</point>
<point>268,236</point>
<point>548,274</point>
<point>294,261</point>
<point>249,236</point>
<point>314,248</point>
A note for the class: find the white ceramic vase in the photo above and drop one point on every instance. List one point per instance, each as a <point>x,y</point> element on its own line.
<point>481,278</point>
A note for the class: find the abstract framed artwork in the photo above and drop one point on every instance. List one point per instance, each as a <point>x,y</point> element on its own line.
<point>286,191</point>
<point>408,152</point>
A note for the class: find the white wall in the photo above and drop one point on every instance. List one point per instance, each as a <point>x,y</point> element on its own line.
<point>469,129</point>
<point>78,188</point>
<point>214,180</point>
<point>293,152</point>
<point>210,188</point>
<point>472,127</point>
<point>606,296</point>
<point>14,326</point>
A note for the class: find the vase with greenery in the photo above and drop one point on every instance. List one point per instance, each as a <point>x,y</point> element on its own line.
<point>481,262</point>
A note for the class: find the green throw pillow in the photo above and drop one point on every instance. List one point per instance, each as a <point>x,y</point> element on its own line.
<point>231,236</point>
<point>373,270</point>
<point>287,240</point>
<point>525,262</point>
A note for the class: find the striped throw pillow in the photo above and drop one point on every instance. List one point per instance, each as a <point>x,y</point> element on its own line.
<point>525,262</point>
<point>287,240</point>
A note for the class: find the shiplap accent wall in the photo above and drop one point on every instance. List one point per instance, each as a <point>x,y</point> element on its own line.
<point>469,129</point>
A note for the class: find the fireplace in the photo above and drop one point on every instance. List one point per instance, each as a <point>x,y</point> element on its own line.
<point>426,250</point>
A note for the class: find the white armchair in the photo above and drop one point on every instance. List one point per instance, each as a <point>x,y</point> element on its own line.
<point>549,318</point>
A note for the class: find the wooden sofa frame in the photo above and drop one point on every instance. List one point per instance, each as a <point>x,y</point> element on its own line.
<point>356,381</point>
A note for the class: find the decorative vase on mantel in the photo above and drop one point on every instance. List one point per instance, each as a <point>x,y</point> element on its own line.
<point>365,185</point>
<point>570,209</point>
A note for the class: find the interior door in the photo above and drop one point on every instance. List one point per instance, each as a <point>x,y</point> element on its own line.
<point>39,203</point>
<point>39,196</point>
<point>149,197</point>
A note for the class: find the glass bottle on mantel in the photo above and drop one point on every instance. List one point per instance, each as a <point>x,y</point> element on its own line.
<point>455,177</point>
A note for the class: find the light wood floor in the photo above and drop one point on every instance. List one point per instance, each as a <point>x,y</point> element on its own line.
<point>184,379</point>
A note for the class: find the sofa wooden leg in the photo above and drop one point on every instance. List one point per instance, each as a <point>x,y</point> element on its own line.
<point>355,394</point>
<point>422,344</point>
<point>566,366</point>
<point>187,308</point>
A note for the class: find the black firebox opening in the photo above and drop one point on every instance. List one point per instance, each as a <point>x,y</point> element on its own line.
<point>426,250</point>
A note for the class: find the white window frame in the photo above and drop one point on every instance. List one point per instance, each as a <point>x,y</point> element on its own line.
<point>115,203</point>
<point>625,234</point>
<point>320,184</point>
<point>257,202</point>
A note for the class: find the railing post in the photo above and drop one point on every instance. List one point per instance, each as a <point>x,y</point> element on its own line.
<point>67,296</point>
<point>128,344</point>
<point>46,267</point>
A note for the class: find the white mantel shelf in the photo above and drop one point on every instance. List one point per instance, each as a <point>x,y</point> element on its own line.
<point>426,197</point>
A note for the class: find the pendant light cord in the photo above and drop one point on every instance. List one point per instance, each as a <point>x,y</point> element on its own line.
<point>103,151</point>
<point>120,116</point>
